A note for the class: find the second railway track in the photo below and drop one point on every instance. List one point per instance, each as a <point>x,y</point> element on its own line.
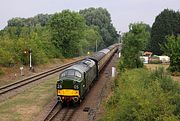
<point>10,87</point>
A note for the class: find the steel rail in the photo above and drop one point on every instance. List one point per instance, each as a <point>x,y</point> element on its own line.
<point>51,114</point>
<point>23,82</point>
<point>68,114</point>
<point>63,114</point>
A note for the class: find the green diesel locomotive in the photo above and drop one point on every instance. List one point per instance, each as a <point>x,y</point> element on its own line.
<point>75,81</point>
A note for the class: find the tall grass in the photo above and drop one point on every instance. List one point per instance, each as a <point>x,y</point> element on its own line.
<point>144,96</point>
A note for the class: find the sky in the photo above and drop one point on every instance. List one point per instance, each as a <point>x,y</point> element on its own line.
<point>123,12</point>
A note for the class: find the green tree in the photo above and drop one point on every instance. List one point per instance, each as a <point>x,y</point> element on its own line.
<point>172,49</point>
<point>7,57</point>
<point>101,18</point>
<point>165,24</point>
<point>17,22</point>
<point>133,42</point>
<point>14,45</point>
<point>90,39</point>
<point>67,29</point>
<point>40,19</point>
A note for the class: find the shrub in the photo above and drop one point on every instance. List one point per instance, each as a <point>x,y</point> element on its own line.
<point>169,86</point>
<point>6,58</point>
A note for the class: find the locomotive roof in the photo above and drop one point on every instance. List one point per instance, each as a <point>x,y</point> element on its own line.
<point>83,66</point>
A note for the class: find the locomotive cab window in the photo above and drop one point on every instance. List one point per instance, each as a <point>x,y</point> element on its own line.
<point>64,74</point>
<point>77,74</point>
<point>71,73</point>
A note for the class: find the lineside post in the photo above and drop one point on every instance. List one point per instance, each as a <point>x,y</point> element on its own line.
<point>113,71</point>
<point>30,59</point>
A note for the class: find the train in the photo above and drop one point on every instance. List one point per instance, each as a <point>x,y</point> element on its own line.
<point>75,81</point>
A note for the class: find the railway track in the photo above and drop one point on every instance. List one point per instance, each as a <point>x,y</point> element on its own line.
<point>53,112</point>
<point>66,115</point>
<point>13,86</point>
<point>57,113</point>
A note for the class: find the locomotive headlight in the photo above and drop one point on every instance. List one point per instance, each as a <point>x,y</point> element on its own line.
<point>76,86</point>
<point>59,86</point>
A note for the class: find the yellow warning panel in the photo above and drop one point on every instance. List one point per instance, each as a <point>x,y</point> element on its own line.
<point>68,92</point>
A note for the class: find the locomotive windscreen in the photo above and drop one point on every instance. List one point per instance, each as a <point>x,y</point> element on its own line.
<point>67,84</point>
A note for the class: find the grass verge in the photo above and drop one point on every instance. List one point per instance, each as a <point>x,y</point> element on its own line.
<point>27,105</point>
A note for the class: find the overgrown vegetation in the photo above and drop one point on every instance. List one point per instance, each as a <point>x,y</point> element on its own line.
<point>141,95</point>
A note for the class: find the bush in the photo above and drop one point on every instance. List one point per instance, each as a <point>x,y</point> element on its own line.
<point>6,58</point>
<point>169,86</point>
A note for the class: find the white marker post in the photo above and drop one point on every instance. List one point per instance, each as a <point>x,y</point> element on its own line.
<point>30,59</point>
<point>113,71</point>
<point>119,54</point>
<point>21,69</point>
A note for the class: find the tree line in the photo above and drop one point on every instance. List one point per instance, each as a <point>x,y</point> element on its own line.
<point>61,35</point>
<point>69,34</point>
